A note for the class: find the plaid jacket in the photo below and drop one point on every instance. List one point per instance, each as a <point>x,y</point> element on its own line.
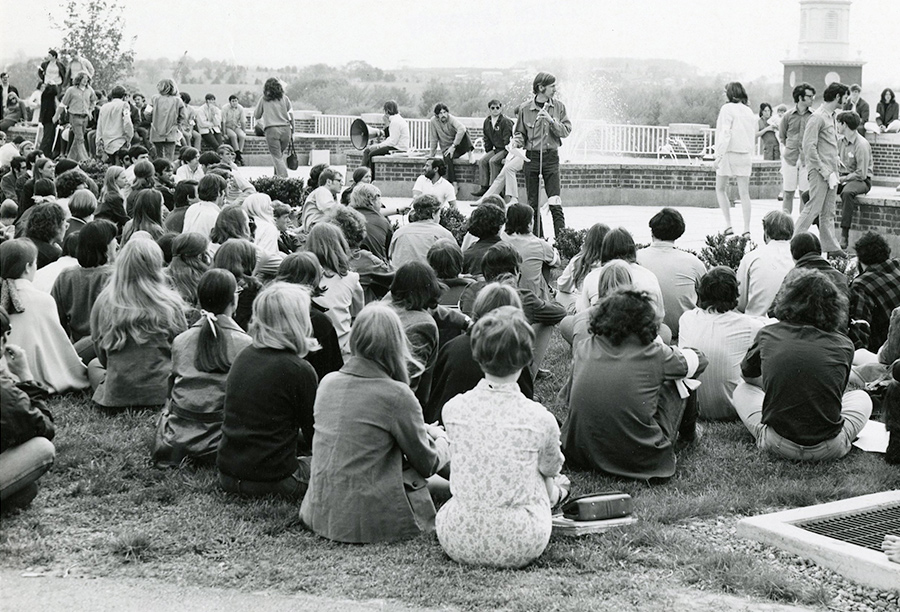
<point>873,296</point>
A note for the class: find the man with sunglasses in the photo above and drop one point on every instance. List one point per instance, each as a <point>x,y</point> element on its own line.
<point>497,132</point>
<point>793,163</point>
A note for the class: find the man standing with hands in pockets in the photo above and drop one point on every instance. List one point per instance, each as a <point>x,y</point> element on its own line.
<point>820,148</point>
<point>541,124</point>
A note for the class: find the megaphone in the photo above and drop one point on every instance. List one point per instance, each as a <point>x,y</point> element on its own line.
<point>361,133</point>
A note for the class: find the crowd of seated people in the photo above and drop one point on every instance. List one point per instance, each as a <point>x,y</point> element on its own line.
<point>371,372</point>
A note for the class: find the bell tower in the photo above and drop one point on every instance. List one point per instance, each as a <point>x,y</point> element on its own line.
<point>823,51</point>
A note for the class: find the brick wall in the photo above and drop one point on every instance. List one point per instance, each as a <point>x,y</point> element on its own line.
<point>886,156</point>
<point>650,183</point>
<point>878,214</point>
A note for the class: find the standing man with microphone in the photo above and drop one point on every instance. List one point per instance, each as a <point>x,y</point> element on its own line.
<point>541,124</point>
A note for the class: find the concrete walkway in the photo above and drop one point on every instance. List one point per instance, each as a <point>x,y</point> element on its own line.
<point>21,593</point>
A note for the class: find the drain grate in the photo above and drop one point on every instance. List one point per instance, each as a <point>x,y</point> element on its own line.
<point>865,528</point>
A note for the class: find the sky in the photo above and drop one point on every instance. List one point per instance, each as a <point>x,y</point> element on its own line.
<point>742,38</point>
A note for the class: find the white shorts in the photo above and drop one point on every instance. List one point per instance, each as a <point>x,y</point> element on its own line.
<point>794,177</point>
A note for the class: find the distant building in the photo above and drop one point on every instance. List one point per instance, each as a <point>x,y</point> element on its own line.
<point>823,53</point>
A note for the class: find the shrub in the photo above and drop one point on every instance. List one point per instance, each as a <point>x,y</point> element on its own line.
<point>846,265</point>
<point>569,241</point>
<point>722,250</point>
<point>288,191</point>
<point>95,169</point>
<point>456,222</point>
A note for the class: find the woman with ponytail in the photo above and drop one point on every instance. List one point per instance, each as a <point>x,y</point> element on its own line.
<point>190,426</point>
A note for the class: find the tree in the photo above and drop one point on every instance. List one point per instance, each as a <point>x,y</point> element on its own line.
<point>94,29</point>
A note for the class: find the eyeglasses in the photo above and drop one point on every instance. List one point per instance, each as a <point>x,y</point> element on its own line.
<point>494,107</point>
<point>809,97</point>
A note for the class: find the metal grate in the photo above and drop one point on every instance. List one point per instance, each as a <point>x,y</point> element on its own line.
<point>865,528</point>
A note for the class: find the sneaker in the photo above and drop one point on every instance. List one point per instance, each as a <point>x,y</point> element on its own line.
<point>481,191</point>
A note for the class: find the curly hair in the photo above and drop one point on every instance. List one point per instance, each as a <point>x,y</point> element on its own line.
<point>808,297</point>
<point>46,222</point>
<point>423,208</point>
<point>872,248</point>
<point>486,221</point>
<point>352,224</point>
<point>623,314</point>
<point>67,182</point>
<point>273,90</point>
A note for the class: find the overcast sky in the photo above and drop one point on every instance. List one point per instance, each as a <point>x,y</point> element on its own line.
<point>742,37</point>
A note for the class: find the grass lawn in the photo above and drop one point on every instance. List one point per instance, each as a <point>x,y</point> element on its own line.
<point>103,511</point>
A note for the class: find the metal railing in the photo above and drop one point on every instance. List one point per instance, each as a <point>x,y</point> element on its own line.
<point>333,125</point>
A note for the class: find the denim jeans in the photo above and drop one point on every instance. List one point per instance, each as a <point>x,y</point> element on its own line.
<point>22,465</point>
<point>278,139</point>
<point>489,166</point>
<point>856,407</point>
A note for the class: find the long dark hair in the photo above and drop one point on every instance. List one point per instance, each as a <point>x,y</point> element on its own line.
<point>272,90</point>
<point>590,252</point>
<point>215,291</point>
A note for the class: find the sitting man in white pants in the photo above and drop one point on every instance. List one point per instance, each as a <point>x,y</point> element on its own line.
<point>795,400</point>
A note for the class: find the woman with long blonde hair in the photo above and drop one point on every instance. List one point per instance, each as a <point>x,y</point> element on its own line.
<point>258,207</point>
<point>133,324</point>
<point>111,205</point>
<point>368,426</point>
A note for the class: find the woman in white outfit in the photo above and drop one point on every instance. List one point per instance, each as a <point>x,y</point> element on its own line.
<point>735,143</point>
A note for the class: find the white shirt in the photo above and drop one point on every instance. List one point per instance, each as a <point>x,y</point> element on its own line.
<point>399,133</point>
<point>642,279</point>
<point>736,129</point>
<point>760,275</point>
<point>200,218</point>
<point>724,338</point>
<point>317,204</point>
<point>184,173</point>
<point>7,152</point>
<point>442,190</point>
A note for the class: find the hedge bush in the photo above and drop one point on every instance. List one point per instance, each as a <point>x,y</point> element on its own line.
<point>286,190</point>
<point>722,250</point>
<point>456,222</point>
<point>95,169</point>
<point>569,242</point>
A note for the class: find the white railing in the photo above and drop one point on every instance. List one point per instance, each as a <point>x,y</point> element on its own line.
<point>600,138</point>
<point>333,125</point>
<point>418,133</point>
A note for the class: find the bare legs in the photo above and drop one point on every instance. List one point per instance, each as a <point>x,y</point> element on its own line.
<point>743,183</point>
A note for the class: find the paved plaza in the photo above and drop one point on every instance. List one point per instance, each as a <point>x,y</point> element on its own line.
<point>699,222</point>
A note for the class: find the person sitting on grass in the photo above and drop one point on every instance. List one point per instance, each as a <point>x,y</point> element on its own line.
<point>794,398</point>
<point>343,295</point>
<point>302,268</point>
<point>190,259</point>
<point>190,426</point>
<point>258,208</point>
<point>76,289</point>
<point>615,276</point>
<point>505,455</point>
<point>148,204</point>
<point>26,450</point>
<point>537,254</point>
<point>269,396</point>
<point>412,241</point>
<point>415,292</point>
<point>446,259</point>
<point>361,175</point>
<point>133,323</point>
<point>724,334</point>
<point>373,454</point>
<point>36,327</point>
<point>46,227</point>
<point>456,370</point>
<point>587,260</point>
<point>231,223</point>
<point>486,224</point>
<point>238,256</point>
<point>503,259</point>
<point>625,410</point>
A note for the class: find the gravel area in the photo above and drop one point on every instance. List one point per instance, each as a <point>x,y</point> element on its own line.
<point>847,596</point>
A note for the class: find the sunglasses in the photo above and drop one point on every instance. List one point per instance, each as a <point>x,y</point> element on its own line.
<point>494,107</point>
